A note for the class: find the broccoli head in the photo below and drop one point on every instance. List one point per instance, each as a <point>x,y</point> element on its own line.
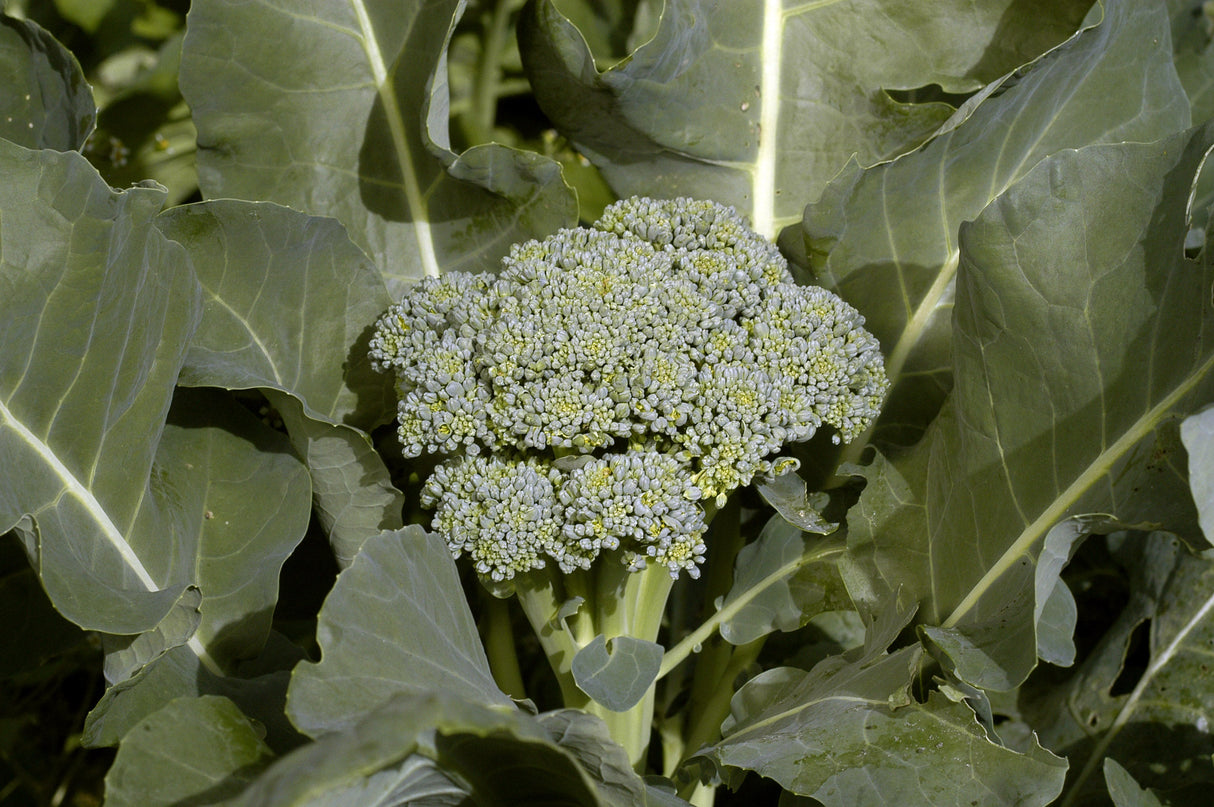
<point>592,395</point>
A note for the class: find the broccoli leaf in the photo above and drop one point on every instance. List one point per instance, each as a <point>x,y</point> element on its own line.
<point>788,494</point>
<point>617,676</point>
<point>343,112</point>
<point>1148,708</point>
<point>390,626</point>
<point>1193,54</point>
<point>285,293</point>
<point>247,497</point>
<point>95,315</point>
<point>47,103</point>
<point>193,748</point>
<point>894,226</point>
<point>1124,791</point>
<point>745,102</point>
<point>587,739</point>
<point>437,745</point>
<point>1197,433</point>
<point>781,579</point>
<point>1071,385</point>
<point>849,732</point>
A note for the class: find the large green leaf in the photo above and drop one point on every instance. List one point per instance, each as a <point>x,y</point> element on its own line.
<point>288,304</point>
<point>758,103</point>
<point>1148,709</point>
<point>886,238</point>
<point>1082,333</point>
<point>340,109</point>
<point>45,101</point>
<point>428,749</point>
<point>194,750</point>
<point>96,310</point>
<point>395,622</point>
<point>286,298</point>
<point>849,733</point>
<point>245,498</point>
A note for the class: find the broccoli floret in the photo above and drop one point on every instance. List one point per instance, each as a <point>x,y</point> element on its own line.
<point>610,383</point>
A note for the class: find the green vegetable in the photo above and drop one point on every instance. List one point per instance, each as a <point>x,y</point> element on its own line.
<point>598,400</point>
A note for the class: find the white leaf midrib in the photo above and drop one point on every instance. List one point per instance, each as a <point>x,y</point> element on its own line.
<point>75,489</point>
<point>1057,510</point>
<point>385,88</point>
<point>110,532</point>
<point>771,57</point>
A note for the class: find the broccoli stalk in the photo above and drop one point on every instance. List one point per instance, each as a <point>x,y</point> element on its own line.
<point>598,400</point>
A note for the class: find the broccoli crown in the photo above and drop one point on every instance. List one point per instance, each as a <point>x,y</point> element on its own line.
<point>609,378</point>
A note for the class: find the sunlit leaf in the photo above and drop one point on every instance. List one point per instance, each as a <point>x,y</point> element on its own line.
<point>342,111</point>
<point>391,626</point>
<point>886,238</point>
<point>1197,433</point>
<point>617,676</point>
<point>758,104</point>
<point>1075,357</point>
<point>288,304</point>
<point>96,310</point>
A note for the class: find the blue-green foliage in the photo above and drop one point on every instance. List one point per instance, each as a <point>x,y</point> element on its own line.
<point>609,379</point>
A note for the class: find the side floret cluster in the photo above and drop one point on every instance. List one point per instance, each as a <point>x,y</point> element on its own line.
<point>608,379</point>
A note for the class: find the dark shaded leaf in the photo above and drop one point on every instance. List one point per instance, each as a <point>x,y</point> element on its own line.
<point>193,751</point>
<point>1150,713</point>
<point>414,748</point>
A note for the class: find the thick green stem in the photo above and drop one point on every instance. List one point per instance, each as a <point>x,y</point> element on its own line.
<point>705,724</point>
<point>715,653</point>
<point>498,636</point>
<point>631,604</point>
<point>489,69</point>
<point>541,597</point>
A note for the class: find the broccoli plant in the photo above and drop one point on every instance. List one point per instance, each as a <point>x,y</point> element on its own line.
<point>596,403</point>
